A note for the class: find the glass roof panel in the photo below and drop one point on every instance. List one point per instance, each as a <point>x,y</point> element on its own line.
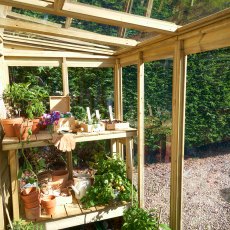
<point>180,12</point>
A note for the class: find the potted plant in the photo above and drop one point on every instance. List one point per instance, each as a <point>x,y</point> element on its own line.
<point>110,184</point>
<point>23,99</point>
<point>138,218</point>
<point>48,120</point>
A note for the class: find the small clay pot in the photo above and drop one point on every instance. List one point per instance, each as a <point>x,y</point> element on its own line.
<point>8,126</point>
<point>32,204</point>
<point>30,195</point>
<point>44,177</point>
<point>36,126</point>
<point>33,213</point>
<point>61,176</point>
<point>49,204</point>
<point>22,130</point>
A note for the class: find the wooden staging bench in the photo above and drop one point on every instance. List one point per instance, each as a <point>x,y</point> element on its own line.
<point>71,214</point>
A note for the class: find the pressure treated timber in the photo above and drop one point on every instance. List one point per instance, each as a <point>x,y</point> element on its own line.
<point>178,126</point>
<point>96,14</point>
<point>55,62</point>
<point>208,38</point>
<point>13,160</point>
<point>116,18</point>
<point>78,216</point>
<point>14,15</point>
<point>11,24</point>
<point>44,138</point>
<point>61,54</point>
<point>186,32</point>
<point>50,38</point>
<point>128,9</point>
<point>65,77</point>
<point>118,107</point>
<point>92,63</point>
<point>129,158</point>
<point>17,40</point>
<point>140,125</point>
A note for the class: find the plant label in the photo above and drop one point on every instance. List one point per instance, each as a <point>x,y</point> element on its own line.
<point>110,113</point>
<point>88,114</point>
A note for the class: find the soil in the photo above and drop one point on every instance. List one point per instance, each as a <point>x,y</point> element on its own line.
<point>206,200</point>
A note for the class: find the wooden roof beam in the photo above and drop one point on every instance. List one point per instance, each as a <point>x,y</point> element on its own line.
<point>14,25</point>
<point>97,14</point>
<point>53,44</point>
<point>45,22</point>
<point>128,9</point>
<point>35,53</point>
<point>58,4</point>
<point>23,17</point>
<point>116,18</point>
<point>68,22</point>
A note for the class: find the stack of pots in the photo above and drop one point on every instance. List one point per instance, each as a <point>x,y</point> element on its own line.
<point>31,199</point>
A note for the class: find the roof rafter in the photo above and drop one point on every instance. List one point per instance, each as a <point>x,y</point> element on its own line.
<point>35,53</point>
<point>116,18</point>
<point>52,44</point>
<point>96,14</point>
<point>11,24</point>
<point>45,22</point>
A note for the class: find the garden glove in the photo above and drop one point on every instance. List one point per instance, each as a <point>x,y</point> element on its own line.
<point>64,142</point>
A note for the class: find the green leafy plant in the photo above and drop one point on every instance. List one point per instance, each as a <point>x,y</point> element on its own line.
<point>23,225</point>
<point>110,184</point>
<point>138,218</point>
<point>25,99</point>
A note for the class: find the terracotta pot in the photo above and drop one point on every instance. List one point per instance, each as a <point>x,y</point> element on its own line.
<point>32,204</point>
<point>36,125</point>
<point>49,204</point>
<point>30,195</point>
<point>22,130</point>
<point>44,177</point>
<point>33,213</point>
<point>8,126</point>
<point>61,176</point>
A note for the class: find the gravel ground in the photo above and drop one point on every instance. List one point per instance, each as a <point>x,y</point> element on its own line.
<point>206,201</point>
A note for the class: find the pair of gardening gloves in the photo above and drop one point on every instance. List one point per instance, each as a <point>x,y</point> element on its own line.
<point>64,142</point>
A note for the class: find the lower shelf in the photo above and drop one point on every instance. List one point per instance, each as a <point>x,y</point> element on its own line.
<point>70,215</point>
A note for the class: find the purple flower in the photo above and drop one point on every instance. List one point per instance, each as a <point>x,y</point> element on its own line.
<point>51,118</point>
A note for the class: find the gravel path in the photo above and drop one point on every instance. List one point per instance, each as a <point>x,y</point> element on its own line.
<point>206,198</point>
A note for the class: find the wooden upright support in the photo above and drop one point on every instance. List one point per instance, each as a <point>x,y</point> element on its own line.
<point>65,78</point>
<point>118,91</point>
<point>13,161</point>
<point>4,73</point>
<point>178,124</point>
<point>140,92</point>
<point>118,106</point>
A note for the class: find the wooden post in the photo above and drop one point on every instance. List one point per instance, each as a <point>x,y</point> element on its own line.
<point>65,78</point>
<point>118,106</point>
<point>178,124</point>
<point>4,73</point>
<point>4,81</point>
<point>129,157</point>
<point>70,164</point>
<point>118,90</point>
<point>13,162</point>
<point>2,222</point>
<point>141,142</point>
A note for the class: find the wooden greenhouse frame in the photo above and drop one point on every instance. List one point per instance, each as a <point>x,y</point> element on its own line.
<point>27,41</point>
